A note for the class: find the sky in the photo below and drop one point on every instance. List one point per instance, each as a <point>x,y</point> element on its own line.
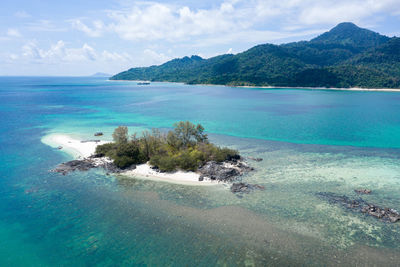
<point>82,37</point>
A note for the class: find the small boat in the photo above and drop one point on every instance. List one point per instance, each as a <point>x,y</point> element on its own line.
<point>98,134</point>
<point>143,83</point>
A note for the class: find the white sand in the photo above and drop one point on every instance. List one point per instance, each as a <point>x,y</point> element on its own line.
<point>79,149</point>
<point>144,171</point>
<point>284,87</point>
<point>328,88</point>
<point>74,147</point>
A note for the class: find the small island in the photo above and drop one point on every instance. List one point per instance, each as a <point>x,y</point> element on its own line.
<point>182,155</point>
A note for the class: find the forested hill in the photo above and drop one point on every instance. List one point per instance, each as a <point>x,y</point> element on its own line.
<point>346,56</point>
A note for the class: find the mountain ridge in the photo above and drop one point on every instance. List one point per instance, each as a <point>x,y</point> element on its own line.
<point>346,56</point>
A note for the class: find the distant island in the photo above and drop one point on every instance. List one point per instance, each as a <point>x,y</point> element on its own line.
<point>346,56</point>
<point>101,74</point>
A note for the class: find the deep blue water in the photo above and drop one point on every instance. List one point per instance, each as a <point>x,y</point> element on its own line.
<point>327,141</point>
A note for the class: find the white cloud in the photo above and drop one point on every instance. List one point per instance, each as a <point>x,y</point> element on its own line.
<point>152,21</point>
<point>152,57</point>
<point>156,21</point>
<point>13,33</point>
<point>96,31</point>
<point>59,52</point>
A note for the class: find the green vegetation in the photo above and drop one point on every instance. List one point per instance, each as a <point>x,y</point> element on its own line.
<point>346,56</point>
<point>186,147</point>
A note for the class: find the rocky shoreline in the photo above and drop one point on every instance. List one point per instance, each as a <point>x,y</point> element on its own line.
<point>227,172</point>
<point>85,164</point>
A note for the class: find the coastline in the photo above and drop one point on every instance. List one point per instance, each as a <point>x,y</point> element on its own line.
<point>281,87</point>
<point>80,149</point>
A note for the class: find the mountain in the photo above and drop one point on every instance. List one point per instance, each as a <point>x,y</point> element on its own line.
<point>350,35</point>
<point>345,56</point>
<point>341,43</point>
<point>101,74</point>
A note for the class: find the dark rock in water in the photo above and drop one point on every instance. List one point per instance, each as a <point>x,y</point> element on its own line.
<point>227,171</point>
<point>234,158</point>
<point>98,134</point>
<point>245,188</point>
<point>255,159</point>
<point>382,213</point>
<point>89,163</point>
<point>73,165</point>
<point>244,167</point>
<point>240,188</point>
<point>217,171</point>
<point>363,191</point>
<point>359,205</point>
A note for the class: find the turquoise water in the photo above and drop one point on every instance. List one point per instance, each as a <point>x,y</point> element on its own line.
<point>311,141</point>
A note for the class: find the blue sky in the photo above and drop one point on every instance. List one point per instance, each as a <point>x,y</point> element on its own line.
<point>76,37</point>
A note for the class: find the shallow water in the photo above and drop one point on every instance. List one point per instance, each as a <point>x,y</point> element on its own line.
<point>311,141</point>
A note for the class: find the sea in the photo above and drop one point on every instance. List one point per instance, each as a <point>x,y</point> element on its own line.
<point>312,142</point>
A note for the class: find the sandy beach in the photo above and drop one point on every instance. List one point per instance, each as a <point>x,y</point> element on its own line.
<point>73,147</point>
<point>283,87</point>
<point>144,171</point>
<point>80,149</point>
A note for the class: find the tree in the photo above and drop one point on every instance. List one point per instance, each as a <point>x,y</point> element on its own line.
<point>120,134</point>
<point>201,137</point>
<point>186,148</point>
<point>189,134</point>
<point>151,142</point>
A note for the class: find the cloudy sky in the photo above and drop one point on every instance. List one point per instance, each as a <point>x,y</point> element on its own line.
<point>76,37</point>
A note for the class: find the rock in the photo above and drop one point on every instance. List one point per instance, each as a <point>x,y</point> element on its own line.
<point>98,134</point>
<point>255,159</point>
<point>363,191</point>
<point>217,171</point>
<point>85,165</point>
<point>234,158</point>
<point>201,178</point>
<point>360,205</point>
<point>59,147</point>
<point>244,167</point>
<point>245,188</point>
<point>240,188</point>
<point>73,165</point>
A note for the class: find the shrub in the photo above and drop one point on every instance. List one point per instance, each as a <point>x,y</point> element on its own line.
<point>186,148</point>
<point>105,149</point>
<point>123,162</point>
<point>164,163</point>
<point>189,160</point>
<point>222,154</point>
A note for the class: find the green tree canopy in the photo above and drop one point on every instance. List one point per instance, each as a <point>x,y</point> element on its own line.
<point>186,147</point>
<point>120,134</point>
